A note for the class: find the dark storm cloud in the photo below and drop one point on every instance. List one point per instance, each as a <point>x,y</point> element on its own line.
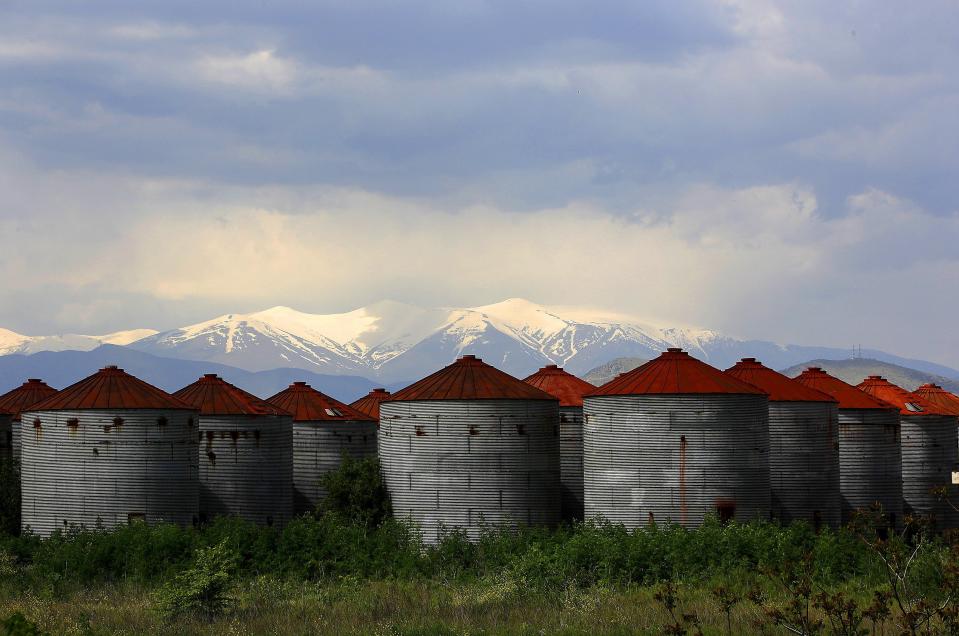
<point>435,98</point>
<point>123,122</point>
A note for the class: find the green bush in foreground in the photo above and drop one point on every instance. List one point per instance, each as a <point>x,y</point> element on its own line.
<point>17,625</point>
<point>329,546</point>
<point>203,587</point>
<point>356,492</point>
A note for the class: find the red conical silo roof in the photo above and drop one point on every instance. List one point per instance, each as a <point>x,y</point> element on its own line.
<point>907,403</point>
<point>370,403</point>
<point>24,396</point>
<point>940,397</point>
<point>212,395</point>
<point>675,372</point>
<point>849,396</point>
<point>309,405</point>
<point>561,384</point>
<point>469,378</point>
<point>777,386</point>
<point>110,388</point>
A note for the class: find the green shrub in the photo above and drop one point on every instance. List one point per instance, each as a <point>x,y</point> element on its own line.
<point>356,492</point>
<point>18,625</point>
<point>203,587</point>
<point>334,545</point>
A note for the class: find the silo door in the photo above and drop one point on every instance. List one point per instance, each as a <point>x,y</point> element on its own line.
<point>136,517</point>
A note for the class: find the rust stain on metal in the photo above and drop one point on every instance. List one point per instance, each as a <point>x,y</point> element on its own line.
<point>682,479</point>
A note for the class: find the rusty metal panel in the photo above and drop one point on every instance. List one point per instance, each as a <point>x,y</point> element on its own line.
<point>108,468</point>
<point>318,448</point>
<point>870,463</point>
<point>471,463</point>
<point>246,467</point>
<point>469,378</point>
<point>929,456</point>
<point>676,458</point>
<point>804,462</point>
<point>675,372</point>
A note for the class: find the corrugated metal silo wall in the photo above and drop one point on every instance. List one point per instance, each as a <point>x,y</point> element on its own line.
<point>658,458</point>
<point>469,464</point>
<point>318,449</point>
<point>571,461</point>
<point>15,439</point>
<point>870,465</point>
<point>804,462</point>
<point>87,468</point>
<point>246,467</point>
<point>929,456</point>
<point>6,437</point>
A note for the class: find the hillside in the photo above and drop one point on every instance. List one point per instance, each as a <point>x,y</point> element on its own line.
<point>602,374</point>
<point>855,370</point>
<point>62,368</point>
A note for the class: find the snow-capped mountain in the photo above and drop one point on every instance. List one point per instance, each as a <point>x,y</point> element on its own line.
<point>12,342</point>
<point>393,341</point>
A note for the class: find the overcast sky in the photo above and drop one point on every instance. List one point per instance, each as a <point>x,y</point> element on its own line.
<point>785,171</point>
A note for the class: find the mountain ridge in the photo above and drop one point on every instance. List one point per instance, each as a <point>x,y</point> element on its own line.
<point>12,342</point>
<point>855,370</point>
<point>390,341</point>
<point>62,368</point>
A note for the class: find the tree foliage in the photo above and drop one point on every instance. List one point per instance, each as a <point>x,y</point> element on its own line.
<point>203,587</point>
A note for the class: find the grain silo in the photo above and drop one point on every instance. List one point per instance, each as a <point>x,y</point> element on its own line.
<point>929,451</point>
<point>803,446</point>
<point>107,451</point>
<point>570,391</point>
<point>870,467</point>
<point>370,403</point>
<point>245,453</point>
<point>14,403</point>
<point>324,430</point>
<point>674,440</point>
<point>471,446</point>
<point>945,400</point>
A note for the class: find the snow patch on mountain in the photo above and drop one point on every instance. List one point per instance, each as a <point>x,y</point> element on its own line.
<point>15,343</point>
<point>394,342</point>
